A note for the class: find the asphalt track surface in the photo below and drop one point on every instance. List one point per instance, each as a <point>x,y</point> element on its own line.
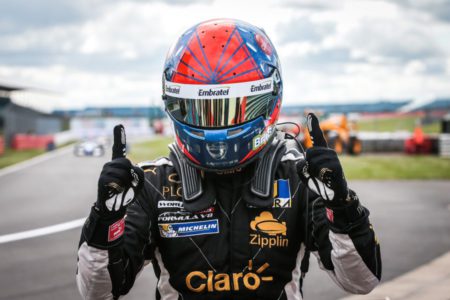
<point>412,219</point>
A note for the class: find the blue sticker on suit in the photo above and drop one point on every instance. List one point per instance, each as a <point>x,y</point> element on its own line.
<point>175,230</point>
<point>281,194</point>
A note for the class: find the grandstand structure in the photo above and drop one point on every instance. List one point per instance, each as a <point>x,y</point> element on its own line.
<point>149,112</point>
<point>439,104</point>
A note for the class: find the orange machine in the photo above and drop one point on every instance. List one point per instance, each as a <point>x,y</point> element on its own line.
<point>339,133</point>
<point>419,143</point>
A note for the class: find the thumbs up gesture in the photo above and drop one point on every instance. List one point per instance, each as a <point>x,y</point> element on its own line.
<point>120,180</point>
<point>321,170</point>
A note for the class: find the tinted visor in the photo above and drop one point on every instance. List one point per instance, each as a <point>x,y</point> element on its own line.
<point>220,112</point>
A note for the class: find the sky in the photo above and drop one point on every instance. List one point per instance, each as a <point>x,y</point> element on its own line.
<point>111,53</point>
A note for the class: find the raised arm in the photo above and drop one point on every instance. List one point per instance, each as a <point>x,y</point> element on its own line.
<point>116,233</point>
<point>342,237</point>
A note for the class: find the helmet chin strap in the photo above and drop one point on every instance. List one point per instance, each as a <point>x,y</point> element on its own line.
<point>199,193</point>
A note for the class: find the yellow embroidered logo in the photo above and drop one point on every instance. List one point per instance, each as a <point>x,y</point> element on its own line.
<point>198,281</point>
<point>269,231</point>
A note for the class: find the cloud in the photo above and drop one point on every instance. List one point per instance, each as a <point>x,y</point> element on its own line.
<point>438,9</point>
<point>26,14</point>
<point>302,29</point>
<point>310,4</point>
<point>101,52</point>
<point>384,40</point>
<point>20,15</point>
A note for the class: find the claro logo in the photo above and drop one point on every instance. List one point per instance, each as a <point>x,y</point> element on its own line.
<point>198,281</point>
<point>269,231</point>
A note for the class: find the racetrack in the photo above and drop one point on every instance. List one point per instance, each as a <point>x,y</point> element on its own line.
<point>411,218</point>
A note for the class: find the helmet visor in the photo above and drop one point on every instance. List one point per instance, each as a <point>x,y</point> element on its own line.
<point>223,112</point>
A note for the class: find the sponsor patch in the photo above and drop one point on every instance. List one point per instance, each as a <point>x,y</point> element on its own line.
<point>269,232</point>
<point>249,279</point>
<point>183,215</point>
<point>281,194</point>
<point>174,230</point>
<point>218,91</point>
<point>207,211</point>
<point>262,139</point>
<point>172,89</point>
<point>330,214</point>
<point>170,204</point>
<point>116,230</point>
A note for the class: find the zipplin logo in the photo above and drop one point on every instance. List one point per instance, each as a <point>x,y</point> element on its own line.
<point>269,232</point>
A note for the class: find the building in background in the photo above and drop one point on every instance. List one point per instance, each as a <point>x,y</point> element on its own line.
<point>149,112</point>
<point>16,118</point>
<point>93,122</point>
<point>437,106</point>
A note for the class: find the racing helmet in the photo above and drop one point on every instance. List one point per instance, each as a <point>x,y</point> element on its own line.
<point>222,89</point>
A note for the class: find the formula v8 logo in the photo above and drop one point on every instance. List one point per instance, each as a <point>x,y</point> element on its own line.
<point>183,215</point>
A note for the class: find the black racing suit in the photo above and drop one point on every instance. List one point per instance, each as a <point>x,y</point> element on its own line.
<point>231,250</point>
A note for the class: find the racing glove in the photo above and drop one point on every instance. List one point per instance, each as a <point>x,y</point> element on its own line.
<point>119,183</point>
<point>322,173</point>
<point>119,180</point>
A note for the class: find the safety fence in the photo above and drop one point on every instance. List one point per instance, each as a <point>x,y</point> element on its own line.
<point>444,145</point>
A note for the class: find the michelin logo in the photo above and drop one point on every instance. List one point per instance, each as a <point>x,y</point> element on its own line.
<point>175,230</point>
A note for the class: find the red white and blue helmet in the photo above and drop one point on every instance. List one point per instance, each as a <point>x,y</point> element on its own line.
<point>222,88</point>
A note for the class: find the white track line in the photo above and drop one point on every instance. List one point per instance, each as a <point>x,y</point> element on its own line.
<point>7,238</point>
<point>35,160</point>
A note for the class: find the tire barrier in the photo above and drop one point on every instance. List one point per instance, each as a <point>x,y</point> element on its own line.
<point>2,145</point>
<point>444,145</point>
<point>29,141</point>
<point>383,141</point>
<point>377,142</point>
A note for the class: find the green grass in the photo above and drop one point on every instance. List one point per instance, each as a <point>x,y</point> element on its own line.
<point>355,167</point>
<point>11,157</point>
<point>150,149</point>
<point>396,167</point>
<point>405,123</point>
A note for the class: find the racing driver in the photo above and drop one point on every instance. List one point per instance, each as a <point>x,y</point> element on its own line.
<point>236,209</point>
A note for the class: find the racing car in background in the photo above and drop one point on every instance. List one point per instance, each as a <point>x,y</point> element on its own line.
<point>89,148</point>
